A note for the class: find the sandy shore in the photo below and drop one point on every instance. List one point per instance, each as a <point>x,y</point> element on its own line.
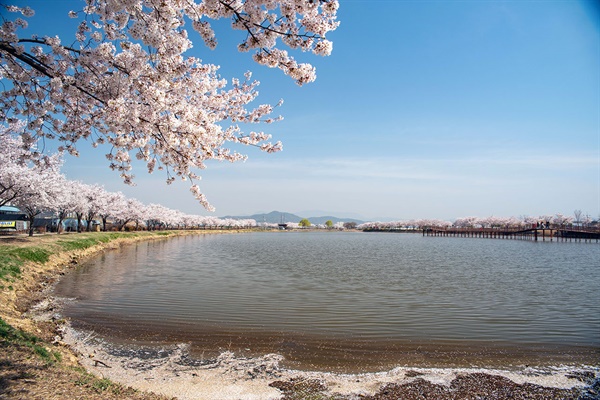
<point>173,373</point>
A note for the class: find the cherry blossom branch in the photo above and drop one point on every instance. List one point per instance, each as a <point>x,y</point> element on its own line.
<point>126,79</point>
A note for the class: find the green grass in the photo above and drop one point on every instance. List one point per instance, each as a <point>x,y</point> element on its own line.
<point>78,244</point>
<point>10,267</point>
<point>106,237</point>
<point>87,240</point>
<point>89,380</point>
<point>100,385</point>
<point>13,258</point>
<point>11,335</point>
<point>84,241</point>
<point>35,254</point>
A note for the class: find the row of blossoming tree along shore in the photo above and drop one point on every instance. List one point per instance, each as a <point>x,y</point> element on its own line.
<point>524,222</point>
<point>36,186</point>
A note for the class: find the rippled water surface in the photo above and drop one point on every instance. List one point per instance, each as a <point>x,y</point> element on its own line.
<point>336,299</point>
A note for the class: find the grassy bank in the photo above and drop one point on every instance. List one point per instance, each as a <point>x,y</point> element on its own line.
<point>33,365</point>
<point>15,251</point>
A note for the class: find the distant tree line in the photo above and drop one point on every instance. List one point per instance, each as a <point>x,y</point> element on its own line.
<point>558,219</point>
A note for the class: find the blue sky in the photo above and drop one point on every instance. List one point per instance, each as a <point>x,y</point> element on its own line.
<point>425,109</point>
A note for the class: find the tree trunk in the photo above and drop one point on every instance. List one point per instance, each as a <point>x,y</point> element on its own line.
<point>61,218</point>
<point>90,219</point>
<point>79,217</point>
<point>31,218</point>
<point>122,225</point>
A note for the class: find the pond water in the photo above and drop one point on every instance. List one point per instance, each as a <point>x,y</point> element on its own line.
<point>348,300</point>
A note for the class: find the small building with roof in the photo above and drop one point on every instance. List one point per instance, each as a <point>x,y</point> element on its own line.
<point>12,219</point>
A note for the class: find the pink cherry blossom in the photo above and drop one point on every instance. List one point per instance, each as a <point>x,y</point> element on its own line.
<point>127,82</point>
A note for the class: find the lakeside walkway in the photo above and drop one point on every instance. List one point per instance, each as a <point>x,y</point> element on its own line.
<point>557,234</point>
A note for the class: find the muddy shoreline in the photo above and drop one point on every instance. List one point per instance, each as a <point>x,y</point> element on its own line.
<point>314,352</point>
<point>172,372</point>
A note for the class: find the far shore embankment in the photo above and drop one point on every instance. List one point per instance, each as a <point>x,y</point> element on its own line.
<point>42,357</point>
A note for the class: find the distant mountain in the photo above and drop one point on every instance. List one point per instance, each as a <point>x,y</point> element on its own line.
<point>347,215</point>
<point>275,217</point>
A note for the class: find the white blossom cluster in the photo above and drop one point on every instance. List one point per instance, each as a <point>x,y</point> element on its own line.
<point>127,82</point>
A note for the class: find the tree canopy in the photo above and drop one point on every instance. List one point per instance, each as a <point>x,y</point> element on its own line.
<point>304,223</point>
<point>126,80</point>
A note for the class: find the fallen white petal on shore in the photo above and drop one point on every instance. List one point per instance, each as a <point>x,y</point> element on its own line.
<point>242,378</point>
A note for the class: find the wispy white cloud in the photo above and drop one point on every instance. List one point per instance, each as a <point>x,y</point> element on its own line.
<point>402,168</point>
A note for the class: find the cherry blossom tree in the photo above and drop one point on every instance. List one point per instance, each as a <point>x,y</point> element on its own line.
<point>189,221</point>
<point>562,220</point>
<point>78,201</point>
<point>172,218</point>
<point>93,203</point>
<point>126,79</point>
<point>529,221</point>
<point>39,189</point>
<point>153,216</point>
<point>12,164</point>
<point>66,201</point>
<point>19,159</point>
<point>130,210</point>
<point>109,203</point>
<point>465,222</point>
<point>27,180</point>
<point>210,221</point>
<point>577,215</point>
